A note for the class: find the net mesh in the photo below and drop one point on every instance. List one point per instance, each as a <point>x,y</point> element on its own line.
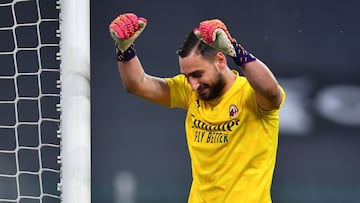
<point>29,98</point>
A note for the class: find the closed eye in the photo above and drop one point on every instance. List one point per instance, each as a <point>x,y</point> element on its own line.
<point>195,74</point>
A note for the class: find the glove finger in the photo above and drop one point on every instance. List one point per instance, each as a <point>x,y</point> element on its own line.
<point>206,31</point>
<point>125,29</point>
<point>132,20</point>
<point>125,25</point>
<point>116,27</point>
<point>214,33</point>
<point>141,22</point>
<point>118,30</point>
<point>209,28</point>
<point>133,24</point>
<point>130,25</point>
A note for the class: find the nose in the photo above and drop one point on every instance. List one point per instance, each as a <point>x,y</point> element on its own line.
<point>193,83</point>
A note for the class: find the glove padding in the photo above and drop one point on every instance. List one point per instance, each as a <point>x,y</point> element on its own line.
<point>214,33</point>
<point>125,29</point>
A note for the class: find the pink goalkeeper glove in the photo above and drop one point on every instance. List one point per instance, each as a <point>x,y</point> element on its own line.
<point>124,30</point>
<point>214,33</point>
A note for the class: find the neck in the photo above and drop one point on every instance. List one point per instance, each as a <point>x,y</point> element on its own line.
<point>230,78</point>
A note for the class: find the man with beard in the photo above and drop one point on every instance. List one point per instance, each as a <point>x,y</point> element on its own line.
<point>232,120</point>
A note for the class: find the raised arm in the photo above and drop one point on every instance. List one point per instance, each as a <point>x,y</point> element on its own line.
<point>124,30</point>
<point>261,79</point>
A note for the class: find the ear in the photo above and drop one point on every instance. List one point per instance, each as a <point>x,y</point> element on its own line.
<point>220,59</point>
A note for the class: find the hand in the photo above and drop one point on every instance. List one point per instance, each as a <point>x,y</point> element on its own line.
<point>125,29</point>
<point>214,33</point>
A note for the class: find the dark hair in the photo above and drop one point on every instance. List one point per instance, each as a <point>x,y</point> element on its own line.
<point>191,43</point>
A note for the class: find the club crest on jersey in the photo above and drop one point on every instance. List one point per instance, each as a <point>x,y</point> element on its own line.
<point>233,111</point>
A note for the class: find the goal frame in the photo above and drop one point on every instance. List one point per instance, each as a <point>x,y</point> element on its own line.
<point>75,155</point>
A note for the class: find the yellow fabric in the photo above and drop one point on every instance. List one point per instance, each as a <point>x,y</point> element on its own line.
<point>232,157</point>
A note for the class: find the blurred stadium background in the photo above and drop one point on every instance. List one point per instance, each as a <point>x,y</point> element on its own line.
<point>312,48</point>
<point>139,152</point>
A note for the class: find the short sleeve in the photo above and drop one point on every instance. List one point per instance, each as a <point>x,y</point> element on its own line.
<point>180,91</point>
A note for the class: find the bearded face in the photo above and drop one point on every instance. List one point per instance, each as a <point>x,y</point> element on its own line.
<point>209,91</point>
<point>204,76</point>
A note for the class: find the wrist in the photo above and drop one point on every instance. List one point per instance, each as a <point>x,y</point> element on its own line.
<point>127,55</point>
<point>242,56</point>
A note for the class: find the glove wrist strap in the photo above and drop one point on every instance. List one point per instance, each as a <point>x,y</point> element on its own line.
<point>242,56</point>
<point>127,55</point>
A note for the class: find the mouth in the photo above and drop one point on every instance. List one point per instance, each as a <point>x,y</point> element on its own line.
<point>203,90</point>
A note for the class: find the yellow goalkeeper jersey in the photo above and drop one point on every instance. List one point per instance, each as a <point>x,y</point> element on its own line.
<point>232,143</point>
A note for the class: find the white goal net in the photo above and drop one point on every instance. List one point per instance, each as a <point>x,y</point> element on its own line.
<point>43,158</point>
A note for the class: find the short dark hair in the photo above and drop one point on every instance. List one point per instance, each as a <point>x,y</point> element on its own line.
<point>191,42</point>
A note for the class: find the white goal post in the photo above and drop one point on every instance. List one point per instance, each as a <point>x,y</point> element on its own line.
<point>75,101</point>
<point>45,124</point>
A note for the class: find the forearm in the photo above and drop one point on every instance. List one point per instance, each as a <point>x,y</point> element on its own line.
<point>132,74</point>
<point>141,84</point>
<point>124,29</point>
<point>264,83</point>
<point>261,79</point>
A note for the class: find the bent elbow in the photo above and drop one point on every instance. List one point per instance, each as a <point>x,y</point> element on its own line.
<point>129,89</point>
<point>270,98</point>
<point>275,97</point>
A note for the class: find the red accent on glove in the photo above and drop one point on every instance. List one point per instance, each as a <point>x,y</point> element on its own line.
<point>126,25</point>
<point>208,27</point>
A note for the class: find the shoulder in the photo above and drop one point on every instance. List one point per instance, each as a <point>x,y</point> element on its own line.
<point>176,80</point>
<point>180,91</point>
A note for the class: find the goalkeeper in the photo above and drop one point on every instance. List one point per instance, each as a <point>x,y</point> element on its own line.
<point>232,119</point>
